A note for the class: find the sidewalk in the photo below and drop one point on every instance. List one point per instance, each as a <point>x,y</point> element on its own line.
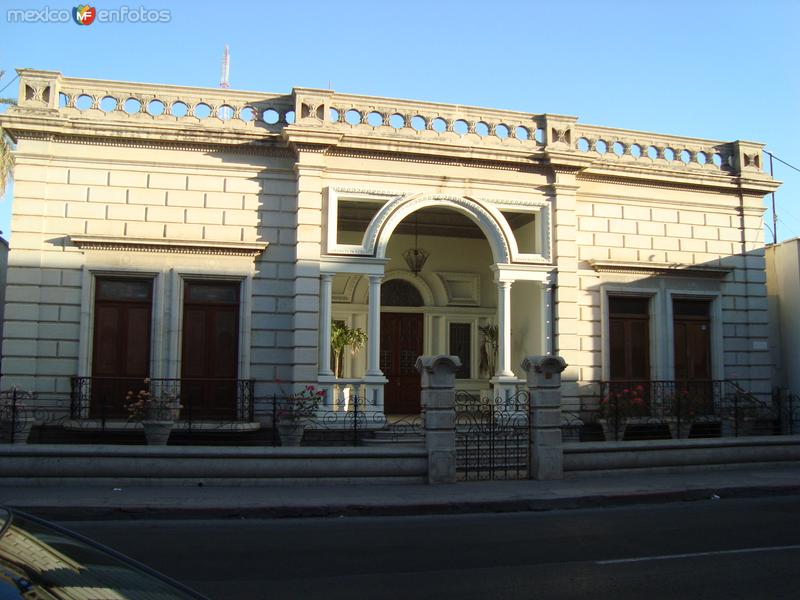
<point>281,501</point>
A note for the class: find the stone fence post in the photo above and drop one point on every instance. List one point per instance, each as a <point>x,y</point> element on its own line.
<point>439,403</point>
<point>544,387</point>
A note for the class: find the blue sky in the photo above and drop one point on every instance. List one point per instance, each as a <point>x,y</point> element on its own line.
<point>714,69</point>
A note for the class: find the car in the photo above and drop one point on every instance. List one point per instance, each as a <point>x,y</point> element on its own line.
<point>39,559</point>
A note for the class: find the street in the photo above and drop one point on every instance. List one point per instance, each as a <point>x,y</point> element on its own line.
<point>745,548</point>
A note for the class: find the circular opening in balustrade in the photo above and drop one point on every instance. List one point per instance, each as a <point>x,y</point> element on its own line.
<point>482,129</point>
<point>636,150</point>
<point>333,115</point>
<point>439,125</point>
<point>601,147</point>
<point>538,135</point>
<point>617,148</point>
<point>702,158</point>
<point>582,145</point>
<point>375,119</point>
<point>155,107</point>
<point>717,159</point>
<point>685,156</point>
<point>225,112</point>
<point>652,152</point>
<point>397,121</point>
<point>179,109</point>
<point>63,100</point>
<point>353,117</point>
<point>669,154</point>
<point>270,116</point>
<point>108,104</point>
<point>418,123</point>
<point>83,102</point>
<point>522,133</point>
<point>132,106</point>
<point>461,127</point>
<point>288,117</point>
<point>202,110</point>
<point>501,131</point>
<point>247,114</point>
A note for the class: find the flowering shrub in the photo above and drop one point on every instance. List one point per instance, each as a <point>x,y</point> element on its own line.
<point>628,402</point>
<point>690,404</point>
<point>144,406</point>
<point>301,405</point>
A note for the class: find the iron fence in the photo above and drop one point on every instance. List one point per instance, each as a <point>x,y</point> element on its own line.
<point>203,400</point>
<point>352,422</point>
<point>707,408</point>
<point>492,436</point>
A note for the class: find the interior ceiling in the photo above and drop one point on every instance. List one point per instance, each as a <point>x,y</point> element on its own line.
<point>355,216</point>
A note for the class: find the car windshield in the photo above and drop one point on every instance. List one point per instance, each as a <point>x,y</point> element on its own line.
<point>37,560</point>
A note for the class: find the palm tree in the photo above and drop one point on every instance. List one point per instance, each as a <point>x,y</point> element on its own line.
<point>6,160</point>
<point>6,156</point>
<point>341,337</point>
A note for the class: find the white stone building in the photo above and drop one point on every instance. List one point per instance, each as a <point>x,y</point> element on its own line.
<point>186,233</point>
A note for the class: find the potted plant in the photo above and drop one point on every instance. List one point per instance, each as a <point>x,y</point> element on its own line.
<point>156,412</point>
<point>488,351</point>
<point>294,413</point>
<point>618,406</point>
<point>343,336</point>
<point>16,418</point>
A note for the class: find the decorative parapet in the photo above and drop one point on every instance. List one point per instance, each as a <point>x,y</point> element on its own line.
<point>102,100</point>
<point>350,120</point>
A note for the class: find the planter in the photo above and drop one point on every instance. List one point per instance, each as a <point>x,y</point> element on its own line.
<point>157,432</point>
<point>291,432</point>
<point>613,429</point>
<point>679,431</point>
<point>21,430</point>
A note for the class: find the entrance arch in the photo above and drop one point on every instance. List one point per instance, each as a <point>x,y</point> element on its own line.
<point>488,219</point>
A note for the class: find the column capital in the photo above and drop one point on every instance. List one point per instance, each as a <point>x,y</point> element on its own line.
<point>326,277</point>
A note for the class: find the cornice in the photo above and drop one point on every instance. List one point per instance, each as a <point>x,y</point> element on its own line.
<point>655,268</point>
<point>127,244</point>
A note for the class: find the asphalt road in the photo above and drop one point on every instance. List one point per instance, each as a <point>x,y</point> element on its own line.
<point>711,549</point>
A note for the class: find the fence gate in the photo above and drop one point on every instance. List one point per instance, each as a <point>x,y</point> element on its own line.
<point>492,437</point>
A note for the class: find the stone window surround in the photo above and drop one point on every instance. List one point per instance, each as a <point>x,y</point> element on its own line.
<point>167,315</point>
<point>662,354</point>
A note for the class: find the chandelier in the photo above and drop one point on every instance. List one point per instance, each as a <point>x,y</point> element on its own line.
<point>415,257</point>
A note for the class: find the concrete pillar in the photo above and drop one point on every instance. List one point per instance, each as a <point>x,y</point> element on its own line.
<point>374,326</point>
<point>504,329</point>
<point>544,387</point>
<point>325,298</point>
<point>439,403</point>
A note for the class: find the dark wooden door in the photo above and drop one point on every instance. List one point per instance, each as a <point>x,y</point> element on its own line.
<point>121,348</point>
<point>692,332</point>
<point>210,356</point>
<point>401,345</point>
<point>629,345</point>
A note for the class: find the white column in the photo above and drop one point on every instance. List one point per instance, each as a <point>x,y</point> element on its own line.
<point>374,326</point>
<point>325,295</point>
<point>504,329</point>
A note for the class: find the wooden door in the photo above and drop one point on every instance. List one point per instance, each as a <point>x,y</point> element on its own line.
<point>692,329</point>
<point>210,356</point>
<point>629,345</point>
<point>401,345</point>
<point>121,345</point>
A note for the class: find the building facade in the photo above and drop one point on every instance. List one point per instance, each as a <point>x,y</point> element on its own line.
<point>211,236</point>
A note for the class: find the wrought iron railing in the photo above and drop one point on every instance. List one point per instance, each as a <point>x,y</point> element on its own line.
<point>699,408</point>
<point>202,399</point>
<point>492,436</point>
<point>339,421</point>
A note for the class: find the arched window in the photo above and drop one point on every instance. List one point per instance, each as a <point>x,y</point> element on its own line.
<point>398,292</point>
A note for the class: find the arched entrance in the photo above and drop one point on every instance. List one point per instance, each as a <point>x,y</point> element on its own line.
<point>401,344</point>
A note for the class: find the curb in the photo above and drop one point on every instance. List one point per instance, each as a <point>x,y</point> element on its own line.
<point>82,513</point>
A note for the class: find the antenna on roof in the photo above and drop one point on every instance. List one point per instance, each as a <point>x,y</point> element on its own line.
<point>224,79</point>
